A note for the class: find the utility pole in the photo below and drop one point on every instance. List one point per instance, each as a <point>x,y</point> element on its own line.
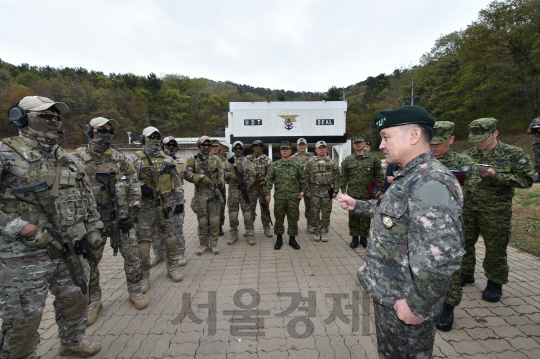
<point>412,87</point>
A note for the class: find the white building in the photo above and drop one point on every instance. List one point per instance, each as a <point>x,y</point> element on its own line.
<point>273,122</point>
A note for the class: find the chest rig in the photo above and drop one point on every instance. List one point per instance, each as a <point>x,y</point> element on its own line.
<point>66,185</point>
<point>158,178</point>
<point>260,164</point>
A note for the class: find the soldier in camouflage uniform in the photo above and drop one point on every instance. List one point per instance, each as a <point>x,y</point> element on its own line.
<point>205,171</point>
<point>440,145</point>
<point>262,163</point>
<point>236,198</point>
<point>97,157</point>
<point>490,212</point>
<point>357,170</point>
<point>30,264</point>
<point>290,188</point>
<point>162,202</point>
<point>416,241</point>
<point>534,128</point>
<point>322,185</point>
<point>216,146</point>
<point>303,156</point>
<point>170,147</point>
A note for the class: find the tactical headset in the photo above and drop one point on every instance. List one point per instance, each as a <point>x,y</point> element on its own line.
<point>142,141</point>
<point>163,144</point>
<point>17,115</point>
<point>88,130</point>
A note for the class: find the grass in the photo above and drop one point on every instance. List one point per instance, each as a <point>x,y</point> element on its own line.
<point>525,221</point>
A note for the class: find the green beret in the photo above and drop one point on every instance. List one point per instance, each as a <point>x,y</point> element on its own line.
<point>442,131</point>
<point>481,129</point>
<point>285,144</point>
<point>358,138</point>
<point>404,115</point>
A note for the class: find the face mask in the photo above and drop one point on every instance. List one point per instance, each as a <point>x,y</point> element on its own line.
<point>205,151</point>
<point>152,145</point>
<point>257,151</point>
<point>238,152</point>
<point>100,142</point>
<point>42,130</point>
<point>170,152</point>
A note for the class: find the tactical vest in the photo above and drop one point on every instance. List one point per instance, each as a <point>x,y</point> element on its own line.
<point>66,185</point>
<point>260,163</point>
<point>164,181</point>
<point>322,173</point>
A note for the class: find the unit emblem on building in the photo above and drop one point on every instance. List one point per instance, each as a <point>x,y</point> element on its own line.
<point>289,121</point>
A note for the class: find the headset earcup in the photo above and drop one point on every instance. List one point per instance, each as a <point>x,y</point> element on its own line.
<point>141,139</point>
<point>17,115</point>
<point>88,130</point>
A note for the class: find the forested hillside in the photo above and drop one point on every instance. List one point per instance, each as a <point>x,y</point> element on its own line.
<point>490,68</point>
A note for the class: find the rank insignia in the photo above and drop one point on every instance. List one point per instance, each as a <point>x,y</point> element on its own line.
<point>387,222</point>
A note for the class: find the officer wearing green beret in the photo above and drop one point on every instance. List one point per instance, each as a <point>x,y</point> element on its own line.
<point>415,244</point>
<point>502,168</point>
<point>288,177</point>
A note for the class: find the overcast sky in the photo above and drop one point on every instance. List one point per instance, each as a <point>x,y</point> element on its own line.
<point>297,45</point>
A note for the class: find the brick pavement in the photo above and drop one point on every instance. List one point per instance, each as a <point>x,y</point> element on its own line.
<point>509,329</point>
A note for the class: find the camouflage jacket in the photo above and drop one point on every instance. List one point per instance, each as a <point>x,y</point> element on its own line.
<point>416,241</point>
<point>536,132</point>
<point>289,179</point>
<point>23,162</point>
<point>194,169</point>
<point>175,191</point>
<point>513,168</point>
<point>321,175</point>
<point>359,170</point>
<point>458,162</point>
<point>245,166</point>
<point>262,163</point>
<point>303,159</point>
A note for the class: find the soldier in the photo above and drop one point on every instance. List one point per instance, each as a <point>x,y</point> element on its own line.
<point>357,170</point>
<point>322,185</point>
<point>216,146</point>
<point>534,128</point>
<point>303,156</point>
<point>118,197</point>
<point>162,202</point>
<point>236,197</point>
<point>416,242</point>
<point>440,145</point>
<point>290,188</point>
<point>30,233</point>
<point>205,171</point>
<point>262,163</point>
<point>502,168</point>
<point>368,146</point>
<point>170,147</point>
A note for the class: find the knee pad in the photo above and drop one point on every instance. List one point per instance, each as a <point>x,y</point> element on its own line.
<point>76,305</point>
<point>24,337</point>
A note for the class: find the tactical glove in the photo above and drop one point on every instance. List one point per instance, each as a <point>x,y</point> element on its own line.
<point>129,222</point>
<point>39,238</point>
<point>179,209</point>
<point>206,180</point>
<point>95,240</point>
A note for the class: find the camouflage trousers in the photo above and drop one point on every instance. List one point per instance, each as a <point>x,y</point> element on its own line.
<point>454,292</point>
<point>222,212</point>
<point>495,226</point>
<point>24,284</point>
<point>237,201</point>
<point>397,340</point>
<point>321,208</point>
<point>308,212</point>
<point>150,231</point>
<point>132,266</point>
<point>265,217</point>
<point>359,225</point>
<point>207,216</point>
<point>158,248</point>
<point>286,207</point>
<point>536,153</point>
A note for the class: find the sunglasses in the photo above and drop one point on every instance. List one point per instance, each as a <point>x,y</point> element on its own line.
<point>154,137</point>
<point>104,130</point>
<point>238,148</point>
<point>257,145</point>
<point>47,116</point>
<point>206,145</point>
<point>171,145</point>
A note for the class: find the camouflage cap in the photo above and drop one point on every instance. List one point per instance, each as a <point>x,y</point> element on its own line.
<point>149,130</point>
<point>238,143</point>
<point>258,142</point>
<point>442,131</point>
<point>169,139</point>
<point>203,139</point>
<point>301,140</point>
<point>404,115</point>
<point>102,121</point>
<point>285,144</point>
<point>481,129</point>
<point>215,143</point>
<point>358,138</point>
<point>320,143</point>
<point>40,103</point>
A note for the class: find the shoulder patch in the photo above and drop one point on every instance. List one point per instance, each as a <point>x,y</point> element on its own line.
<point>466,168</point>
<point>433,194</point>
<point>523,161</point>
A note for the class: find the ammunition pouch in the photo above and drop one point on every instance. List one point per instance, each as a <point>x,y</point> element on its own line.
<point>147,192</point>
<point>166,212</point>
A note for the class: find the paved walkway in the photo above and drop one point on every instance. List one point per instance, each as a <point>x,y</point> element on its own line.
<point>320,322</point>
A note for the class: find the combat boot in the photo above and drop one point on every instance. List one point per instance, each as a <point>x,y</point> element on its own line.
<point>84,349</point>
<point>175,275</point>
<point>363,241</point>
<point>155,260</point>
<point>92,314</point>
<point>182,261</point>
<point>139,301</point>
<point>215,250</point>
<point>145,285</point>
<point>310,229</point>
<point>234,238</point>
<point>201,250</point>
<point>268,232</point>
<point>316,237</point>
<point>324,236</point>
<point>293,243</point>
<point>467,279</point>
<point>446,319</point>
<point>279,242</point>
<point>250,239</point>
<point>354,242</point>
<point>493,292</point>
<point>221,233</point>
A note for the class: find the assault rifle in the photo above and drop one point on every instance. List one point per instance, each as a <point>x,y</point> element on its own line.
<point>243,185</point>
<point>63,243</point>
<point>217,188</point>
<point>110,208</point>
<point>151,173</point>
<point>265,206</point>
